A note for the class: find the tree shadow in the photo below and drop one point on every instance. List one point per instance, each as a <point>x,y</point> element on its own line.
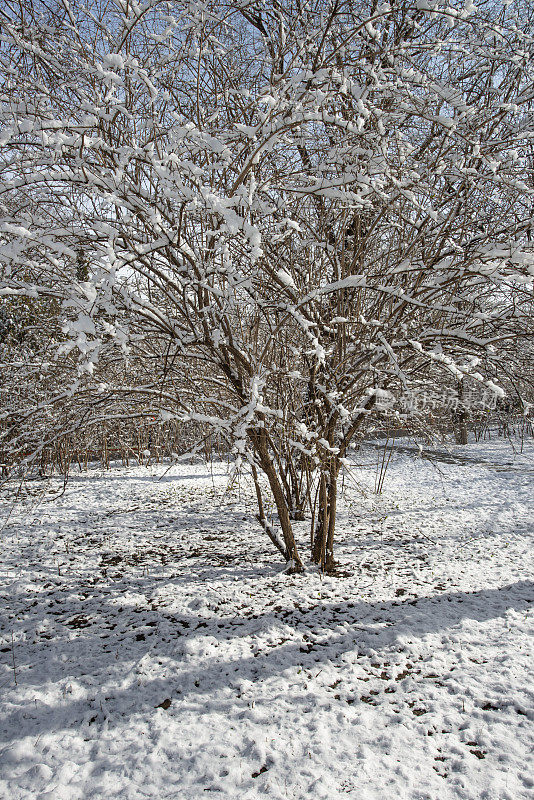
<point>371,627</point>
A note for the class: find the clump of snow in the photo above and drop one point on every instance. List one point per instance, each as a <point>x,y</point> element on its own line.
<point>285,277</point>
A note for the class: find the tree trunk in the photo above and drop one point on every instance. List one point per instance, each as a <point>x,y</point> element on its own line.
<point>258,440</point>
<point>332,509</point>
<point>460,432</point>
<point>323,541</point>
<point>321,530</point>
<point>262,519</point>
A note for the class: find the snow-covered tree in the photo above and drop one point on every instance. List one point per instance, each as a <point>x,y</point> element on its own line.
<point>286,216</point>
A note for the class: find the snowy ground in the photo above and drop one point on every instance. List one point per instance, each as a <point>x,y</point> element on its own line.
<point>161,653</point>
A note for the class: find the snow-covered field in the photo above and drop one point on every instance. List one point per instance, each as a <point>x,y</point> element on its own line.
<point>160,652</point>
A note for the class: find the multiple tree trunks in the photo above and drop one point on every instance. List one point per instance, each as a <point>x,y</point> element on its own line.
<point>282,255</point>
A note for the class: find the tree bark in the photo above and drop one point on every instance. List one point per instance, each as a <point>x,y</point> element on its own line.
<point>332,508</point>
<point>461,434</point>
<point>323,542</point>
<point>262,519</point>
<point>258,440</point>
<point>319,538</point>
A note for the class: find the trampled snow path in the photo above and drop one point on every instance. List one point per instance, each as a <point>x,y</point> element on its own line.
<point>160,652</point>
